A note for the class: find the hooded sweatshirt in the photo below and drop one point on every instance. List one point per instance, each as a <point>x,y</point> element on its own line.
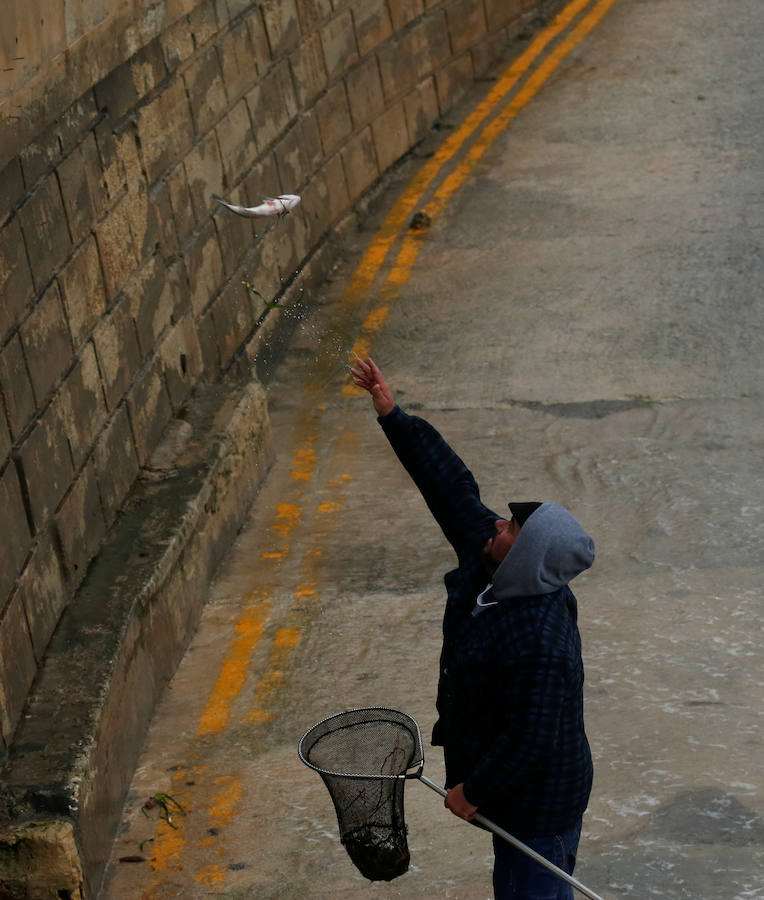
<point>551,549</point>
<point>510,692</point>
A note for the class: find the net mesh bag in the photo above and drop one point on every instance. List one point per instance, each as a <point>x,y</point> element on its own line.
<point>363,756</point>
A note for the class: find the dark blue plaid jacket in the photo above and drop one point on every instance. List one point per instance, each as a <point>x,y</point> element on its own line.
<point>510,694</point>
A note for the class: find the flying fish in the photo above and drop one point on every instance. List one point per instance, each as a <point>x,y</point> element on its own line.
<point>271,206</point>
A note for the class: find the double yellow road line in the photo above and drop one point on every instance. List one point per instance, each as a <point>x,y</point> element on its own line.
<point>466,146</point>
<point>429,191</point>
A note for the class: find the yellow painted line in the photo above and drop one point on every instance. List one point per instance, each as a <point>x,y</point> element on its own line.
<point>376,253</point>
<point>411,244</point>
<point>284,643</point>
<point>287,518</point>
<point>456,178</point>
<point>304,462</point>
<point>216,713</point>
<point>170,841</point>
<point>229,789</point>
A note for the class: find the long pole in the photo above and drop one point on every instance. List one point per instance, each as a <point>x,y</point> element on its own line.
<point>518,844</point>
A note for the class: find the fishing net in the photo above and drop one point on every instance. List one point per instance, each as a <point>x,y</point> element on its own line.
<point>363,756</point>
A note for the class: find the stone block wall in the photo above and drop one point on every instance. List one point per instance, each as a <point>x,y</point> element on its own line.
<point>120,278</point>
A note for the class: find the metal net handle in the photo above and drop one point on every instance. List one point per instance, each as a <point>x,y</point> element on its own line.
<point>519,845</point>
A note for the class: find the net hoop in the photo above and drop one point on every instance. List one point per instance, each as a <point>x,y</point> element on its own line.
<point>307,742</point>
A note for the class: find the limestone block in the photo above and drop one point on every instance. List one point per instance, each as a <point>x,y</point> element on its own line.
<point>262,267</point>
<point>203,22</point>
<point>40,859</point>
<point>338,199</point>
<point>204,174</point>
<point>291,247</point>
<point>167,235</point>
<point>421,107</point>
<point>237,7</point>
<point>16,287</point>
<point>466,23</point>
<point>43,592</point>
<point>325,196</point>
<point>204,264</point>
<point>238,146</point>
<point>143,219</point>
<point>499,12</point>
<point>312,13</point>
<point>398,67</point>
<point>5,436</point>
<point>308,69</point>
<point>405,11</point>
<point>333,118</point>
<point>116,463</point>
<point>453,80</point>
<point>150,306</point>
<point>372,24</point>
<point>76,121</point>
<point>181,361</point>
<point>46,232</point>
<point>235,233</point>
<point>338,40</point>
<point>165,128</point>
<point>112,158</point>
<point>364,87</point>
<point>180,202</point>
<point>148,406</point>
<point>12,187</point>
<point>13,521</point>
<point>177,43</point>
<point>272,104</point>
<point>360,161</point>
<point>208,345</point>
<point>40,155</point>
<point>126,85</point>
<point>431,46</point>
<point>256,25</point>
<point>17,665</point>
<point>80,524</point>
<point>391,138</point>
<point>239,61</point>
<point>82,404</point>
<point>16,387</point>
<point>47,465</point>
<point>206,91</point>
<point>116,248</point>
<point>83,188</point>
<point>263,180</point>
<point>117,351</point>
<point>233,317</point>
<point>281,25</point>
<point>485,53</point>
<point>291,158</point>
<point>46,342</point>
<point>82,291</point>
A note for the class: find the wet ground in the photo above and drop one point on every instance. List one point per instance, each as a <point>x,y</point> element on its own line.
<point>583,321</point>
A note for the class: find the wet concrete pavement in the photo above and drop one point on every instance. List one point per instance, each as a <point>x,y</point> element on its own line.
<point>583,321</point>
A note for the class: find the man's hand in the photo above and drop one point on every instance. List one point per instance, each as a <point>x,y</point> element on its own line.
<point>367,376</point>
<point>459,804</point>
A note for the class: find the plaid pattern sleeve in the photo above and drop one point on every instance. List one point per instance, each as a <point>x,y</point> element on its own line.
<point>446,484</point>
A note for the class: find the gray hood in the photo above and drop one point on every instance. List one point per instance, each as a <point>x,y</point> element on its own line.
<point>551,549</point>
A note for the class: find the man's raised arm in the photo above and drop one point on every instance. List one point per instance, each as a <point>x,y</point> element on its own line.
<point>444,481</point>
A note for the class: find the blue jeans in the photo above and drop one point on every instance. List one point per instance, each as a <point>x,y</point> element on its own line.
<point>518,877</point>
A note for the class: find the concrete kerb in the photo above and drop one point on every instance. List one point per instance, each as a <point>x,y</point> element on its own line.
<point>119,643</point>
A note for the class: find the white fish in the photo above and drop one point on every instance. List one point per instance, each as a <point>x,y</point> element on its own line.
<point>271,206</point>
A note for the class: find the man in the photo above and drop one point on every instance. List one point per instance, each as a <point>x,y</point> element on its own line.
<point>510,694</point>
